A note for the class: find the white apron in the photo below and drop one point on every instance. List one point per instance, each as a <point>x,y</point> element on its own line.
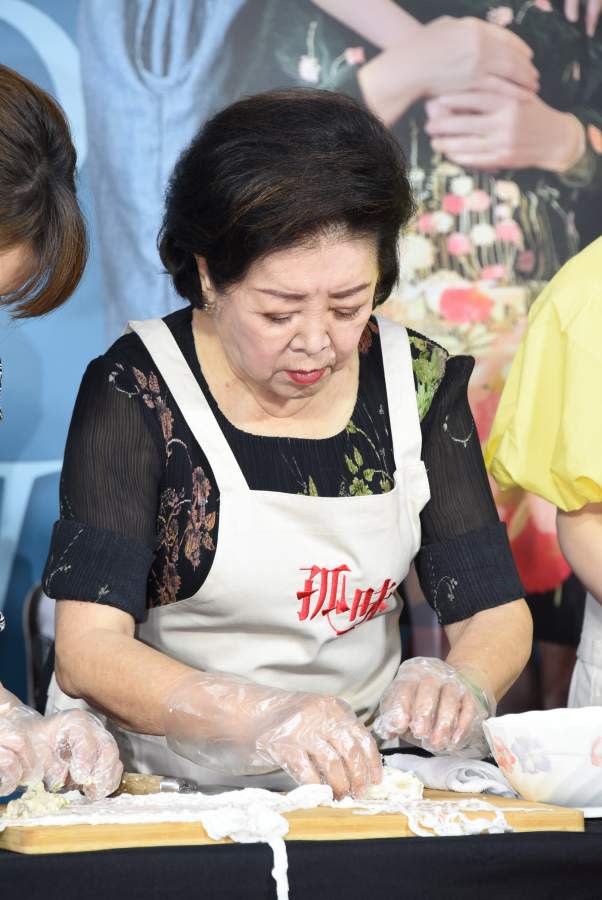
<point>301,593</point>
<point>586,683</point>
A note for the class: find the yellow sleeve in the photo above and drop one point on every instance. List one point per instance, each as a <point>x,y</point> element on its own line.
<point>547,434</point>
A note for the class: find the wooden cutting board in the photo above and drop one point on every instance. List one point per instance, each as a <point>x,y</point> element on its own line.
<point>321,824</point>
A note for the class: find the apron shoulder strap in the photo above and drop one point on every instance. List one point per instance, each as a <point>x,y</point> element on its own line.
<point>401,391</point>
<point>187,393</point>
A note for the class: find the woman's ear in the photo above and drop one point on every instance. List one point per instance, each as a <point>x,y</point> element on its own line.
<point>203,274</point>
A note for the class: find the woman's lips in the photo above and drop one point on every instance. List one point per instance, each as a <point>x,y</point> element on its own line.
<point>300,376</point>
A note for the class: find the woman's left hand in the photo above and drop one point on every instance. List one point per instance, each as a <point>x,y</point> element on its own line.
<point>436,706</point>
<point>489,131</point>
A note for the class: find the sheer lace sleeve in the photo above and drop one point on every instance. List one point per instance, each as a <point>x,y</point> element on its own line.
<point>102,546</point>
<point>465,563</point>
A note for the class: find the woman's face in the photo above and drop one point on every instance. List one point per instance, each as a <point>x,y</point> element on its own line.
<point>16,267</point>
<point>297,316</point>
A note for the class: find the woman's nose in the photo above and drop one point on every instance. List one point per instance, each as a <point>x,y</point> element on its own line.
<point>312,338</point>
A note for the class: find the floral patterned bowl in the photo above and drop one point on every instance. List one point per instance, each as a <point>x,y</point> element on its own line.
<point>551,756</point>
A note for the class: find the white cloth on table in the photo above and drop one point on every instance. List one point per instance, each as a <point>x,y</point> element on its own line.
<point>454,773</point>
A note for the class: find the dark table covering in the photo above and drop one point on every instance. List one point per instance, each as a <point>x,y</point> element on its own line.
<point>544,865</point>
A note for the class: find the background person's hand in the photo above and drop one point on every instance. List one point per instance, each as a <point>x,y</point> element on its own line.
<point>436,706</point>
<point>79,752</point>
<point>483,130</point>
<point>237,727</point>
<point>593,8</point>
<point>459,54</point>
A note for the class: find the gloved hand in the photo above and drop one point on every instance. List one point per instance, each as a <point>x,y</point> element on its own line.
<point>238,727</point>
<point>78,751</point>
<point>19,762</point>
<point>437,706</point>
<point>70,747</point>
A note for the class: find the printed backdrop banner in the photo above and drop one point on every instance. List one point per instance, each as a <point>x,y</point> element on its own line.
<point>493,225</point>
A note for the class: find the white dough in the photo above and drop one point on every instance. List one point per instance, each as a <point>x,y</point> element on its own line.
<point>37,801</point>
<point>396,785</point>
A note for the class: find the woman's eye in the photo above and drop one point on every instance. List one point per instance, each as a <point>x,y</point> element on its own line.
<point>347,313</point>
<point>278,319</point>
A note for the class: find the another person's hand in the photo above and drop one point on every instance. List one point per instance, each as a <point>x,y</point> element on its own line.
<point>488,131</point>
<point>593,8</point>
<point>459,54</point>
<point>237,727</point>
<point>19,762</point>
<point>78,752</point>
<point>437,707</point>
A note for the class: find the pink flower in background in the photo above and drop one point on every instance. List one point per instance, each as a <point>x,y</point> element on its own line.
<point>478,201</point>
<point>504,757</point>
<point>453,204</point>
<point>543,5</point>
<point>458,244</point>
<point>464,305</point>
<point>595,138</point>
<point>426,224</point>
<point>502,211</point>
<point>501,16</point>
<point>596,755</point>
<point>355,56</point>
<point>525,261</point>
<point>309,69</point>
<point>494,273</point>
<point>509,230</point>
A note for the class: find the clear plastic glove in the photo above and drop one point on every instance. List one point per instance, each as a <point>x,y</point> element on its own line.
<point>78,751</point>
<point>238,728</point>
<point>437,707</point>
<point>19,762</point>
<point>70,748</point>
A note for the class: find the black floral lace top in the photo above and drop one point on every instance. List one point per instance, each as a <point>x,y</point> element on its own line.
<point>140,505</point>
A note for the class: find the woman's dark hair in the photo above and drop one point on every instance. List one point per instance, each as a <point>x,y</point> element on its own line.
<point>38,205</point>
<point>274,170</point>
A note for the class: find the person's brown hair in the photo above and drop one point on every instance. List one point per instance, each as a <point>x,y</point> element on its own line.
<point>273,170</point>
<point>38,204</point>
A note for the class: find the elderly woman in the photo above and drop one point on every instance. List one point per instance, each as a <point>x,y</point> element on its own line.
<point>42,258</point>
<point>244,485</point>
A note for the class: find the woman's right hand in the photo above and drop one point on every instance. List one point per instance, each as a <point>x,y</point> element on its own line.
<point>461,54</point>
<point>237,727</point>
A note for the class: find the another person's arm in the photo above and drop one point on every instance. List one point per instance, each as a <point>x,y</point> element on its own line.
<point>382,22</point>
<point>427,60</point>
<point>580,538</point>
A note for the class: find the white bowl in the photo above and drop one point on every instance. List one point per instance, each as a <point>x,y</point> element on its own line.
<point>551,756</point>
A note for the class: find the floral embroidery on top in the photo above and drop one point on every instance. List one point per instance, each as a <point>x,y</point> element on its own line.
<point>183,524</point>
<point>365,459</point>
<point>428,361</point>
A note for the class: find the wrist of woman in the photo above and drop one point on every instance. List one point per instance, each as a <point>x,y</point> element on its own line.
<point>390,83</point>
<point>565,152</point>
